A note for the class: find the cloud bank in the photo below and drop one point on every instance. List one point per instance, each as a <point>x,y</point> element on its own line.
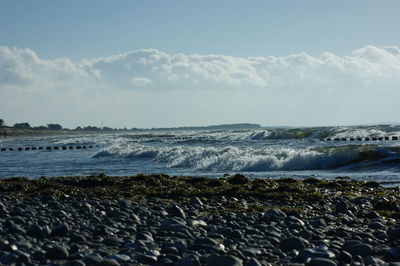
<point>140,76</point>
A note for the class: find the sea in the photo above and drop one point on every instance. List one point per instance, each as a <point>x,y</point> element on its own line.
<point>360,152</point>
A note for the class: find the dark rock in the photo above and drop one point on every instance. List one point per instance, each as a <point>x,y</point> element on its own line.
<point>120,258</point>
<point>376,225</point>
<point>146,259</point>
<point>92,259</point>
<point>175,210</point>
<point>394,234</point>
<point>16,229</point>
<point>190,260</point>
<point>321,262</point>
<point>196,201</point>
<point>22,256</point>
<point>253,262</point>
<point>108,262</point>
<point>8,259</point>
<point>362,250</point>
<point>386,205</point>
<point>345,257</point>
<point>238,179</point>
<point>372,215</point>
<point>274,215</point>
<point>342,207</point>
<point>78,238</point>
<point>60,230</point>
<point>319,222</point>
<point>292,243</point>
<point>57,253</point>
<point>395,252</point>
<point>226,260</point>
<point>75,263</point>
<point>373,261</point>
<point>316,253</point>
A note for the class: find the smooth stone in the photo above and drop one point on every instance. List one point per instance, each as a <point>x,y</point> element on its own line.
<point>226,260</point>
<point>394,234</point>
<point>175,210</point>
<point>362,250</point>
<point>60,230</point>
<point>373,261</point>
<point>108,262</point>
<point>172,221</point>
<point>135,218</point>
<point>147,259</point>
<point>376,225</point>
<point>22,256</point>
<point>92,259</point>
<point>345,257</point>
<point>190,260</point>
<point>316,253</point>
<point>395,252</point>
<point>16,229</point>
<point>251,252</point>
<point>197,223</point>
<point>321,262</point>
<point>341,207</point>
<point>8,259</point>
<point>181,245</point>
<point>253,262</point>
<point>121,258</point>
<point>145,237</point>
<point>57,253</point>
<point>196,201</point>
<point>75,263</point>
<point>372,215</point>
<point>274,215</point>
<point>292,243</point>
<point>319,222</point>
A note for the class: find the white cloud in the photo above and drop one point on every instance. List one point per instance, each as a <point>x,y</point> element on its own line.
<point>142,74</point>
<point>141,81</point>
<point>366,67</point>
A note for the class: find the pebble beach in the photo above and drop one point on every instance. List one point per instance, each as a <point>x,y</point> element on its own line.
<point>164,220</point>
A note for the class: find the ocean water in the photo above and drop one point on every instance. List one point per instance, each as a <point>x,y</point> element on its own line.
<point>267,152</point>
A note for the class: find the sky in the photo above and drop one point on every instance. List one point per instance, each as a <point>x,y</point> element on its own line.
<point>187,63</point>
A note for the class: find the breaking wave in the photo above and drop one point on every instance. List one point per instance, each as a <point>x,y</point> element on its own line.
<point>232,158</point>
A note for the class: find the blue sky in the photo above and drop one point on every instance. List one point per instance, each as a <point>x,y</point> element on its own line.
<point>197,65</point>
<point>90,29</point>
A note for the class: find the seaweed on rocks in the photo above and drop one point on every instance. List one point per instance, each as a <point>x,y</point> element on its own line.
<point>278,192</point>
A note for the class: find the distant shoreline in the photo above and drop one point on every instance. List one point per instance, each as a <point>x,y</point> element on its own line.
<point>22,132</point>
<point>18,132</point>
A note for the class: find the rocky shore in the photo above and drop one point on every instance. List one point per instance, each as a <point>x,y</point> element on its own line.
<point>185,221</point>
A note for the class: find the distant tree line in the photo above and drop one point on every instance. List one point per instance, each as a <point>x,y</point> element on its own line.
<point>26,125</point>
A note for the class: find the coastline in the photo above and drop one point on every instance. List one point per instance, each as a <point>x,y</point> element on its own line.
<point>164,220</point>
<point>17,132</point>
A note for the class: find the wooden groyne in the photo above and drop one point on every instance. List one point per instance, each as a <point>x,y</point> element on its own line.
<point>48,148</point>
<point>386,138</point>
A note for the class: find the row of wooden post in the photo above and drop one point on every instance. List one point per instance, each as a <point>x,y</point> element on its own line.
<point>387,138</point>
<point>50,148</point>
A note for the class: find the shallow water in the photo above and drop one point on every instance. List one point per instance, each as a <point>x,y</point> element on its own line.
<point>259,153</point>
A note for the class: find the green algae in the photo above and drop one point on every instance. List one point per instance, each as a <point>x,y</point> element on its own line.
<point>261,194</point>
